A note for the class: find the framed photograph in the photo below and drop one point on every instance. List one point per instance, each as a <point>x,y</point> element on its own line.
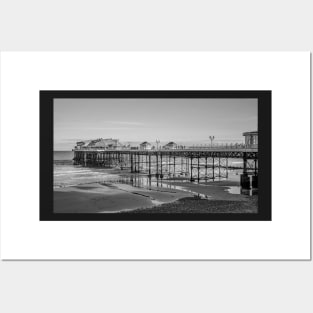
<point>155,155</point>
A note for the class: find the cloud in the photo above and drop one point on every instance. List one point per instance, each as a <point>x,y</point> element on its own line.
<point>125,123</point>
<point>96,128</point>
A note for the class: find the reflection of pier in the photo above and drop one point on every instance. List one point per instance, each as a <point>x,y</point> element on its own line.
<point>194,164</point>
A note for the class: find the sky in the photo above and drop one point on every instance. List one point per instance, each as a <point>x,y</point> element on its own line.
<point>184,121</point>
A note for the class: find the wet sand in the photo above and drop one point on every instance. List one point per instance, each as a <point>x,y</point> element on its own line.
<point>171,197</point>
<point>217,200</point>
<point>217,190</point>
<point>110,198</point>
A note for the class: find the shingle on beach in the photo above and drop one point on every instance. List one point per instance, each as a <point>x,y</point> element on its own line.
<point>194,205</point>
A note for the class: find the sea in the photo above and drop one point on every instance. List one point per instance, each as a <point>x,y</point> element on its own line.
<point>67,174</point>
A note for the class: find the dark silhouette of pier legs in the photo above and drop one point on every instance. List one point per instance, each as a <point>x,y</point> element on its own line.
<point>255,176</point>
<point>245,181</point>
<point>187,166</point>
<point>150,167</point>
<point>198,169</point>
<point>181,166</point>
<point>191,168</point>
<point>219,167</point>
<point>165,163</point>
<point>226,167</point>
<point>135,163</point>
<point>254,181</point>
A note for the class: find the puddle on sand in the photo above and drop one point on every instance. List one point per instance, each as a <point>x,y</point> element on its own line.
<point>194,193</point>
<point>156,202</point>
<point>123,186</point>
<point>154,184</point>
<point>151,183</point>
<point>237,190</point>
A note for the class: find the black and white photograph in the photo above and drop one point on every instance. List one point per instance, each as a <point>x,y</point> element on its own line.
<point>156,156</point>
<point>152,157</point>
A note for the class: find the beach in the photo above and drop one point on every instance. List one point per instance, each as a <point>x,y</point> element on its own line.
<point>79,189</point>
<point>110,198</point>
<point>202,206</point>
<point>173,197</point>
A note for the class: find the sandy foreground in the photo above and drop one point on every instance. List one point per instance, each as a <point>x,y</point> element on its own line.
<point>125,199</point>
<point>106,198</point>
<point>193,205</point>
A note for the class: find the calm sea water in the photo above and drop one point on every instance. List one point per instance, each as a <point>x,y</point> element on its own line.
<point>63,156</point>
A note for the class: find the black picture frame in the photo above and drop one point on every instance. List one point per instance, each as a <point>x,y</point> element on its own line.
<point>264,154</point>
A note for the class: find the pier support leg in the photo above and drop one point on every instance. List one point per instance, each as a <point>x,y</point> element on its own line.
<point>254,181</point>
<point>150,167</point>
<point>131,163</point>
<point>191,168</point>
<point>244,163</point>
<point>85,158</point>
<point>135,162</point>
<point>181,165</point>
<point>244,181</point>
<point>219,167</point>
<point>226,167</point>
<point>198,168</point>
<point>187,166</point>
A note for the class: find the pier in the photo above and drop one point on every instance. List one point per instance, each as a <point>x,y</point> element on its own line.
<point>194,164</point>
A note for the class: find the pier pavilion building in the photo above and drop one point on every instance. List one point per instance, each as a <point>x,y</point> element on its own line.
<point>251,139</point>
<point>170,145</point>
<point>145,146</point>
<point>109,143</point>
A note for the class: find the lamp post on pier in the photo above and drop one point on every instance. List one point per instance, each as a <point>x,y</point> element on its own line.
<point>157,143</point>
<point>211,138</point>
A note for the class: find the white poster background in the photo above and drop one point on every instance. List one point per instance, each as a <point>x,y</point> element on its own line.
<point>24,74</point>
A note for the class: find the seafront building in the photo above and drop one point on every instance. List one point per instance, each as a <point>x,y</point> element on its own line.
<point>100,143</point>
<point>251,139</point>
<point>145,146</point>
<point>82,144</point>
<point>171,145</point>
